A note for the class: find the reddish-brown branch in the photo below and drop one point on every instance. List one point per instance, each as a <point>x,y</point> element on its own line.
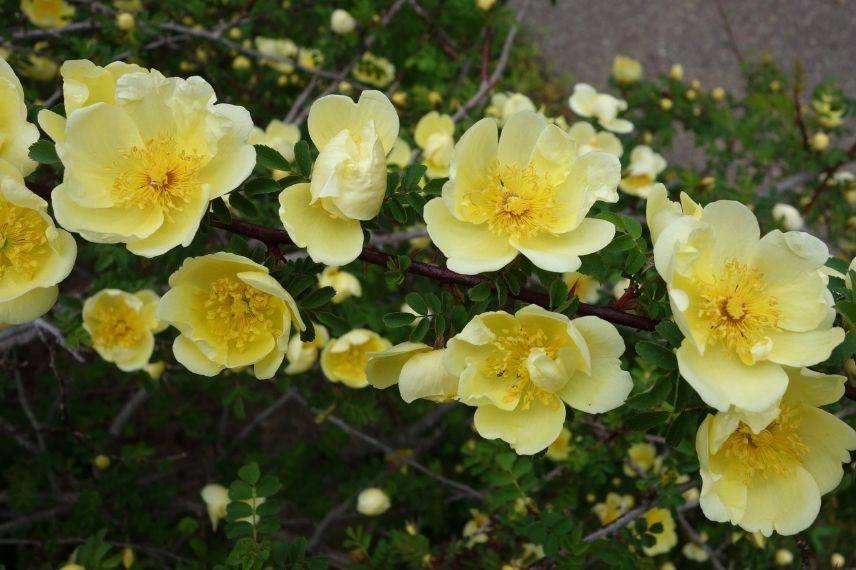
<point>798,111</point>
<point>376,257</point>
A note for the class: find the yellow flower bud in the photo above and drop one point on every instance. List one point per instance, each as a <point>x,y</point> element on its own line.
<point>695,84</point>
<point>101,462</point>
<point>783,557</point>
<point>691,94</point>
<point>435,98</point>
<point>676,72</point>
<point>372,502</point>
<point>775,86</point>
<point>820,141</point>
<point>125,21</point>
<point>399,98</point>
<point>665,104</point>
<point>235,33</point>
<point>837,560</point>
<point>485,5</point>
<point>241,63</point>
<point>128,557</point>
<point>718,94</point>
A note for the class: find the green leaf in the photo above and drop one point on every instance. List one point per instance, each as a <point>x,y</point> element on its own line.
<point>249,473</point>
<point>412,175</point>
<point>847,310</point>
<point>480,292</point>
<point>44,151</point>
<point>646,420</point>
<point>239,528</point>
<point>221,210</point>
<point>653,396</point>
<point>242,204</point>
<point>270,158</point>
<point>238,510</point>
<point>397,320</point>
<point>259,186</point>
<point>417,303</point>
<point>671,333</point>
<point>844,350</point>
<point>268,485</point>
<point>303,158</point>
<point>657,354</point>
<point>558,293</point>
<point>506,460</point>
<point>420,330</point>
<point>317,298</point>
<point>239,491</point>
<point>290,180</point>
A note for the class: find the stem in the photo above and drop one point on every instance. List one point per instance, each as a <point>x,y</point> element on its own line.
<point>443,275</point>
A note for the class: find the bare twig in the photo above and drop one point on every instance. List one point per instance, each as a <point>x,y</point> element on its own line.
<point>376,257</point>
<point>691,534</point>
<point>263,416</point>
<point>301,100</point>
<point>732,39</point>
<point>150,550</point>
<point>826,177</point>
<point>22,440</point>
<point>498,70</point>
<point>807,560</point>
<point>798,111</point>
<point>374,442</point>
<point>137,400</point>
<point>29,520</point>
<point>331,516</point>
<point>28,411</point>
<point>43,325</point>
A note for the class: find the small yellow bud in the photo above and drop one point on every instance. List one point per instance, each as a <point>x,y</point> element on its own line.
<point>235,33</point>
<point>775,86</point>
<point>399,98</point>
<point>667,566</point>
<point>820,141</point>
<point>707,181</point>
<point>647,137</point>
<point>155,369</point>
<point>676,72</point>
<point>241,63</point>
<point>125,21</point>
<point>128,557</point>
<point>435,98</point>
<point>696,111</point>
<point>201,54</point>
<point>695,84</point>
<point>666,104</point>
<point>186,66</point>
<point>837,560</point>
<point>783,557</point>
<point>718,94</point>
<point>376,19</point>
<point>485,5</point>
<point>282,80</point>
<point>345,87</point>
<point>411,528</point>
<point>616,482</point>
<point>102,462</point>
<point>691,94</point>
<point>247,43</point>
<point>590,498</point>
<point>187,21</point>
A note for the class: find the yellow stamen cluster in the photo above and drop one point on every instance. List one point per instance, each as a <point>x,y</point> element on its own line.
<point>238,314</point>
<point>508,363</point>
<point>352,362</point>
<point>116,326</point>
<point>22,239</point>
<point>159,173</point>
<point>776,450</point>
<point>517,202</point>
<point>738,309</point>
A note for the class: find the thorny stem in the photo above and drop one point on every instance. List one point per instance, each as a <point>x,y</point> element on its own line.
<point>616,316</point>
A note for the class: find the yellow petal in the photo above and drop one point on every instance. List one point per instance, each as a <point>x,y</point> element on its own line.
<point>29,306</point>
<point>518,138</point>
<point>560,253</point>
<point>526,431</point>
<point>188,354</point>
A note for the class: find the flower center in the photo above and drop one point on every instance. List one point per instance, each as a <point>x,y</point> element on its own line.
<point>776,450</point>
<point>738,309</point>
<point>238,314</point>
<point>22,239</point>
<point>159,173</point>
<point>517,202</point>
<point>508,363</point>
<point>352,362</point>
<point>117,326</point>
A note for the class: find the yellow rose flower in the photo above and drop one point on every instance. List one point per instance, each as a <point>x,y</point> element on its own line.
<point>374,70</point>
<point>503,106</point>
<point>587,102</point>
<point>372,502</point>
<point>829,112</point>
<point>142,168</point>
<point>641,458</point>
<point>667,538</point>
<point>767,472</point>
<point>348,179</point>
<point>527,193</point>
<point>520,370</point>
<point>613,507</point>
<point>645,166</point>
<point>400,154</point>
<point>560,449</point>
<point>216,499</point>
<point>280,48</point>
<point>748,306</point>
<point>231,313</point>
<point>310,58</point>
<point>588,139</point>
<point>122,326</point>
<point>676,72</point>
<point>279,136</point>
<point>16,134</point>
<point>435,136</point>
<point>302,355</point>
<point>626,69</point>
<point>38,67</point>
<point>788,216</point>
<point>345,284</point>
<point>583,286</point>
<point>416,368</point>
<point>476,529</point>
<point>341,22</point>
<point>48,13</point>
<point>34,254</point>
<point>344,359</point>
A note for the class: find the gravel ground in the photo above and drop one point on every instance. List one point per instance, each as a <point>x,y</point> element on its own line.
<point>581,38</point>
